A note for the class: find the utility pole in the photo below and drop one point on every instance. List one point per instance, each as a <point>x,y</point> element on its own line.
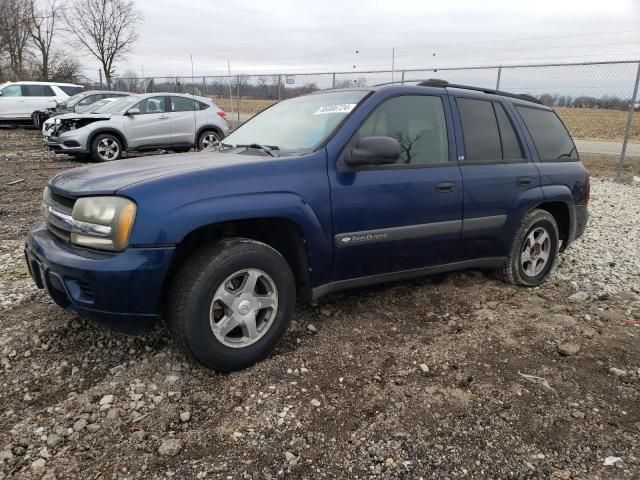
<point>393,63</point>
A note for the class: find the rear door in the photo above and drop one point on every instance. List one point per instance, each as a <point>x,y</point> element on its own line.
<point>183,120</point>
<point>12,102</point>
<point>404,216</point>
<point>151,127</point>
<point>498,177</point>
<point>37,97</point>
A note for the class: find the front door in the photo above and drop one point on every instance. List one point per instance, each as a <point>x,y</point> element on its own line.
<point>499,181</point>
<point>407,215</point>
<point>151,127</point>
<point>12,103</point>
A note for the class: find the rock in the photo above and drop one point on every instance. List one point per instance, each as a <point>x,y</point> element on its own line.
<point>170,447</point>
<point>139,436</point>
<point>611,316</point>
<point>38,465</point>
<point>185,417</point>
<point>312,328</point>
<point>563,318</point>
<point>237,435</point>
<point>5,455</point>
<point>93,428</point>
<point>562,474</point>
<point>54,440</point>
<point>618,372</point>
<point>568,349</point>
<point>290,457</point>
<point>424,367</point>
<point>635,179</point>
<point>106,400</point>
<point>588,332</point>
<point>577,414</point>
<point>80,425</point>
<point>315,403</point>
<point>579,297</point>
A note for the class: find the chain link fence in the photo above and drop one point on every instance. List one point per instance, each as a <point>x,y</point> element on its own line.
<point>596,100</point>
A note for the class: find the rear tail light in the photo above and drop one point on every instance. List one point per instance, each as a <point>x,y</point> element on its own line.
<point>222,114</point>
<point>587,188</point>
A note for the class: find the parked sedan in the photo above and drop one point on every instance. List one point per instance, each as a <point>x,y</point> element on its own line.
<point>80,103</point>
<point>151,121</point>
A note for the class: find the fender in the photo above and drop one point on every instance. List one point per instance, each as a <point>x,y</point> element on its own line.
<point>521,205</point>
<point>179,222</point>
<point>111,130</point>
<point>563,194</point>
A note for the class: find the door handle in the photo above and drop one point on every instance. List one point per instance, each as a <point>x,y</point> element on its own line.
<point>445,187</point>
<point>524,181</point>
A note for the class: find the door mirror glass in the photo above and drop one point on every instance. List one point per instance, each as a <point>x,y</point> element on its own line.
<point>374,151</point>
<point>133,111</point>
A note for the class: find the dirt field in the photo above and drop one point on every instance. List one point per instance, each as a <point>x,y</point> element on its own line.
<point>458,376</point>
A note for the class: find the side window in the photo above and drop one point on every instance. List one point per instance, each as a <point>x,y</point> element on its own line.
<point>417,122</point>
<point>203,106</point>
<point>551,138</point>
<point>182,104</point>
<point>152,105</point>
<point>511,149</point>
<point>12,91</point>
<point>70,90</point>
<point>480,130</point>
<point>37,91</point>
<point>88,100</point>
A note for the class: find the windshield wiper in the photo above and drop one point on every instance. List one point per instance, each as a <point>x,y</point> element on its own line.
<point>268,149</point>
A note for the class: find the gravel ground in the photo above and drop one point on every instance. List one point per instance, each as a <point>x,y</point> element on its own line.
<point>456,376</point>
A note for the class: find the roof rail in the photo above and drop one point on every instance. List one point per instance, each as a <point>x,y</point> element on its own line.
<point>436,82</point>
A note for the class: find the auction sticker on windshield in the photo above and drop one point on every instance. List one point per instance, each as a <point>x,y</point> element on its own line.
<point>339,108</point>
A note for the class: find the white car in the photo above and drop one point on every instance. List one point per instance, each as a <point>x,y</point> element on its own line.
<point>19,100</point>
<point>48,124</point>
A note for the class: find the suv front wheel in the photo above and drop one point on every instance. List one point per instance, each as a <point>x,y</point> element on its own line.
<point>230,303</point>
<point>533,251</point>
<point>106,148</point>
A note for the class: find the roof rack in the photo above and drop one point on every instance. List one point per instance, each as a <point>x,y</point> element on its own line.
<point>436,82</point>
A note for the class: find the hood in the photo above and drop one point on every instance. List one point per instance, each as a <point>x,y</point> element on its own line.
<point>107,178</point>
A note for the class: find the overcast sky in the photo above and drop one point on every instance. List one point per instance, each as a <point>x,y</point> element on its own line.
<point>264,36</point>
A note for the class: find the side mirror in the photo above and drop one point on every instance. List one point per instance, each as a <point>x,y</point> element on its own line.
<point>374,151</point>
<point>133,111</point>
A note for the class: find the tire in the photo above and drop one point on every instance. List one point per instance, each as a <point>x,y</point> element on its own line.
<point>206,139</point>
<point>106,147</point>
<point>210,296</point>
<point>527,265</point>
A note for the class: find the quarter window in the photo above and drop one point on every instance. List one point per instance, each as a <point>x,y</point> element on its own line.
<point>12,91</point>
<point>37,91</point>
<point>417,122</point>
<point>551,138</point>
<point>511,149</point>
<point>69,90</point>
<point>182,104</point>
<point>152,105</point>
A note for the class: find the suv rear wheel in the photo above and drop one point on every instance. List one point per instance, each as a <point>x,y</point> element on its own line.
<point>533,251</point>
<point>230,303</point>
<point>106,148</point>
<point>207,139</point>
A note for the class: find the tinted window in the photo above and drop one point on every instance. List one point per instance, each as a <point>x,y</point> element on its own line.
<point>89,100</point>
<point>480,130</point>
<point>417,122</point>
<point>152,105</point>
<point>12,91</point>
<point>70,90</point>
<point>181,104</point>
<point>511,149</point>
<point>550,137</point>
<point>37,91</point>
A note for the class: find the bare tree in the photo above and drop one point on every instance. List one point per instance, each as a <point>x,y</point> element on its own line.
<point>14,32</point>
<point>43,25</point>
<point>106,28</point>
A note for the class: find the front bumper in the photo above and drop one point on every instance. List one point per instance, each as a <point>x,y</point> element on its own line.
<point>120,290</point>
<point>68,142</point>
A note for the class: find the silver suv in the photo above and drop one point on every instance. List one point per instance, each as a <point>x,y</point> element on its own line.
<point>151,121</point>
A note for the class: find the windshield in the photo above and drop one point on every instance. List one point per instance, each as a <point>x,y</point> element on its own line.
<point>71,101</point>
<point>298,124</point>
<point>94,107</point>
<point>120,105</point>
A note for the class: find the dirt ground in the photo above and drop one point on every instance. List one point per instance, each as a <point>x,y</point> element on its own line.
<point>456,376</point>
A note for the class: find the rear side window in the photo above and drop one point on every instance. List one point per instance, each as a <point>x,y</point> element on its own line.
<point>488,133</point>
<point>551,138</point>
<point>417,122</point>
<point>37,91</point>
<point>69,90</point>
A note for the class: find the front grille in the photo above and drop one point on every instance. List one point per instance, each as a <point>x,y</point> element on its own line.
<point>59,203</point>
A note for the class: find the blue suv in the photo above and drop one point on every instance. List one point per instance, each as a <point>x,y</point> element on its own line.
<point>320,193</point>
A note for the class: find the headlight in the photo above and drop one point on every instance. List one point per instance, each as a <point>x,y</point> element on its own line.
<point>103,222</point>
